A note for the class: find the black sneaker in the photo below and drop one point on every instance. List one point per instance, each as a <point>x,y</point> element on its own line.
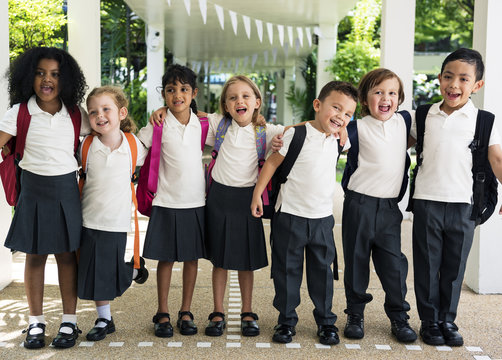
<point>354,328</point>
<point>402,331</point>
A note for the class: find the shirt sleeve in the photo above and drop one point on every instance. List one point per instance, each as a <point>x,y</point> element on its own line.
<point>145,135</point>
<point>8,124</point>
<point>286,140</point>
<point>494,136</point>
<point>214,119</point>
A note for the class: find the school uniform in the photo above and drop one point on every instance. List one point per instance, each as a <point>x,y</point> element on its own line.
<point>235,239</point>
<point>442,229</point>
<point>48,219</point>
<point>176,227</point>
<point>106,210</point>
<point>371,222</point>
<point>303,227</point>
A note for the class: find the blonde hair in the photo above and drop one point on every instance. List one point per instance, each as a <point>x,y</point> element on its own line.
<point>120,99</point>
<point>252,85</point>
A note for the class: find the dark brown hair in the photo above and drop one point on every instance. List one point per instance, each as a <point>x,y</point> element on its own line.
<point>372,79</point>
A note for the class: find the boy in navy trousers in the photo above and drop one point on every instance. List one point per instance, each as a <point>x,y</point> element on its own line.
<point>442,227</point>
<point>303,223</point>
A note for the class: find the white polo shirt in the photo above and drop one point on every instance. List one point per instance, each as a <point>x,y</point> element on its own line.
<point>49,148</point>
<point>181,175</point>
<point>310,187</point>
<point>446,172</point>
<point>237,162</point>
<point>382,155</point>
<point>107,197</point>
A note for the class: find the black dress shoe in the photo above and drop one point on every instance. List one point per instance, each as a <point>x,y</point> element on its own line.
<point>402,331</point>
<point>430,333</point>
<point>35,341</point>
<point>283,333</point>
<point>249,327</point>
<point>187,327</point>
<point>451,334</point>
<point>99,333</point>
<point>354,328</point>
<point>164,329</point>
<point>215,328</point>
<point>142,271</point>
<point>64,340</point>
<point>328,334</point>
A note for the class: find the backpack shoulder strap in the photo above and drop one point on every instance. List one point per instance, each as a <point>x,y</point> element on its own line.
<point>261,142</point>
<point>407,120</point>
<point>352,155</point>
<point>23,123</point>
<point>133,146</point>
<point>223,126</point>
<point>84,151</point>
<point>76,119</point>
<point>204,125</point>
<point>293,151</point>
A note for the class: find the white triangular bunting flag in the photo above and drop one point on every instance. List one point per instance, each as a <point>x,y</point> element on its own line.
<point>253,60</point>
<point>206,67</point>
<point>280,29</point>
<point>309,36</point>
<point>317,31</point>
<point>194,65</point>
<point>274,55</point>
<point>233,19</point>
<point>247,25</point>
<point>297,41</point>
<point>265,57</point>
<point>259,29</point>
<point>199,64</point>
<point>187,6</point>
<point>221,16</point>
<point>168,2</point>
<point>299,31</point>
<point>290,35</point>
<point>270,31</point>
<point>203,9</point>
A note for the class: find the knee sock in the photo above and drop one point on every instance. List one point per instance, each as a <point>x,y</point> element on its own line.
<point>104,312</point>
<point>34,320</point>
<point>69,318</point>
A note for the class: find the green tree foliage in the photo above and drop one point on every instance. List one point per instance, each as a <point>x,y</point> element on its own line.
<point>443,25</point>
<point>35,23</point>
<point>359,52</point>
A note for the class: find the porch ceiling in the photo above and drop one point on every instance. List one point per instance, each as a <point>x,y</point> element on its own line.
<point>188,37</point>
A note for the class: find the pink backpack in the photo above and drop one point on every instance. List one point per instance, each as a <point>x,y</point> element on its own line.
<point>149,173</point>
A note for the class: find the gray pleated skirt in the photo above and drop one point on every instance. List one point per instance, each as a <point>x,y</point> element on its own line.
<point>48,218</point>
<point>175,235</point>
<point>102,272</point>
<point>235,239</point>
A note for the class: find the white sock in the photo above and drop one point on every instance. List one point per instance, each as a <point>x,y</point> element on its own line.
<point>104,312</point>
<point>134,273</point>
<point>70,318</point>
<point>40,319</point>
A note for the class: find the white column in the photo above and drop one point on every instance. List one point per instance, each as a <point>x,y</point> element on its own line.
<point>326,51</point>
<point>484,266</point>
<point>284,110</point>
<point>155,66</point>
<point>397,41</point>
<point>84,38</point>
<point>396,52</point>
<point>5,209</point>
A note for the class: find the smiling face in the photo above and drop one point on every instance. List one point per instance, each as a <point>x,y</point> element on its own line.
<point>241,102</point>
<point>334,112</point>
<point>383,99</point>
<point>457,82</point>
<point>46,85</point>
<point>104,114</point>
<point>178,97</point>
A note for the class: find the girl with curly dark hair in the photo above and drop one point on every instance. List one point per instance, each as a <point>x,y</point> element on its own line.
<point>46,87</point>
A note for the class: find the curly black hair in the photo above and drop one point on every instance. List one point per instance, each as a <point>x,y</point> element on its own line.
<point>21,75</point>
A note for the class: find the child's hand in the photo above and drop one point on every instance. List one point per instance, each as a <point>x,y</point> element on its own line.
<point>257,206</point>
<point>277,143</point>
<point>158,116</point>
<point>344,135</point>
<point>260,121</point>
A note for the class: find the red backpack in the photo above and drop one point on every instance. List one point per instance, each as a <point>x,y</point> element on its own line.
<point>14,150</point>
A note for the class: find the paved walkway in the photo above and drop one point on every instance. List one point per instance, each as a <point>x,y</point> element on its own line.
<point>479,321</point>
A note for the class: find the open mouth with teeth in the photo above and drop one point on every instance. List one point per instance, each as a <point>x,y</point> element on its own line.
<point>241,111</point>
<point>337,124</point>
<point>384,108</point>
<point>179,102</point>
<point>102,122</point>
<point>47,90</point>
<point>452,96</point>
